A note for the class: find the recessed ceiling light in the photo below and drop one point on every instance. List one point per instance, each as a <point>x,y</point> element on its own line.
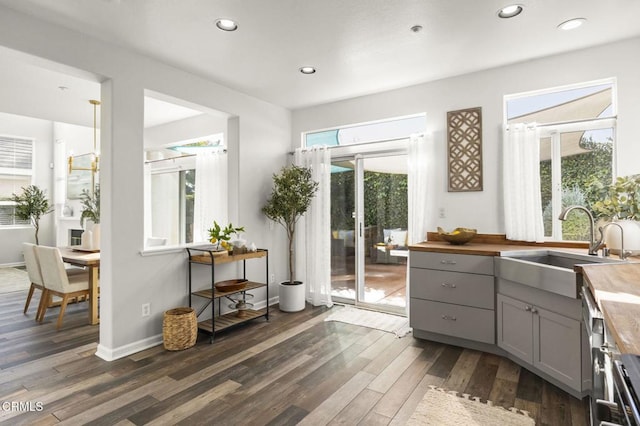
<point>307,70</point>
<point>572,24</point>
<point>416,28</point>
<point>226,24</point>
<point>510,11</point>
<point>63,88</point>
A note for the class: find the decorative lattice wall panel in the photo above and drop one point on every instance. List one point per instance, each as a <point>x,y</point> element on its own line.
<point>464,144</point>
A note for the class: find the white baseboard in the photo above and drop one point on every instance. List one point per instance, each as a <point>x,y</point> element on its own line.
<point>11,265</point>
<point>129,349</point>
<point>132,348</point>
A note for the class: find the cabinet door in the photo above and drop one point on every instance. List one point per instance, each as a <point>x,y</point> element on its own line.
<point>515,328</point>
<point>557,347</point>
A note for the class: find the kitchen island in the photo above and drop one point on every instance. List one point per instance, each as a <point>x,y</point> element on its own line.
<point>462,295</point>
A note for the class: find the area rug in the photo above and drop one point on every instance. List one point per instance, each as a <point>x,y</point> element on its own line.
<point>442,408</point>
<point>13,279</point>
<point>378,320</point>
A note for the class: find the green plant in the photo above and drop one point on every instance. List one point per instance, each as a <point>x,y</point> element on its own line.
<point>90,205</point>
<point>293,191</point>
<point>221,236</point>
<point>31,205</point>
<point>619,200</point>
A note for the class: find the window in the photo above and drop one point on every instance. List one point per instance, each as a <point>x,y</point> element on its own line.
<point>186,192</point>
<point>16,172</point>
<point>399,128</point>
<point>577,134</point>
<point>172,193</point>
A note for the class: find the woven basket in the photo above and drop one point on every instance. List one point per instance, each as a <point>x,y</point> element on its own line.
<point>179,329</point>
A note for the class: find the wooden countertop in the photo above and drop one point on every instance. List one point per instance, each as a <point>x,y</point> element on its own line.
<point>481,249</point>
<point>490,245</point>
<point>616,289</point>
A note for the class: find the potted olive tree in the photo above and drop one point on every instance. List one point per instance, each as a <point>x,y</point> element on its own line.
<point>293,191</point>
<point>619,202</point>
<point>31,205</point>
<point>91,211</point>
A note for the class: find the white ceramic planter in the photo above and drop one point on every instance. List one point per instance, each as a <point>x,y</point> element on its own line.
<point>292,297</point>
<point>631,229</point>
<point>96,236</point>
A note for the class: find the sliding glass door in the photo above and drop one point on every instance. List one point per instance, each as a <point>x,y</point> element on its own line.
<point>369,231</point>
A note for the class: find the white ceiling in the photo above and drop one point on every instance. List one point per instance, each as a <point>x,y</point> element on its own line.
<point>358,46</point>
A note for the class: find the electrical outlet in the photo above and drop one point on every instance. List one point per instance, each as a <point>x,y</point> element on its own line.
<point>441,213</point>
<point>272,278</point>
<point>146,309</point>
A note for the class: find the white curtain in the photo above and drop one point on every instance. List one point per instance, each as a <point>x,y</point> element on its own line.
<point>417,187</point>
<point>521,181</point>
<point>210,194</point>
<point>313,242</point>
<point>417,182</point>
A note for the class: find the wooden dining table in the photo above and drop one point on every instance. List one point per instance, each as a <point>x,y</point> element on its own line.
<point>91,261</point>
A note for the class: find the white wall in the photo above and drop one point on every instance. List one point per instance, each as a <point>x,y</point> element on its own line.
<point>483,210</point>
<point>42,132</point>
<point>188,128</point>
<point>258,145</point>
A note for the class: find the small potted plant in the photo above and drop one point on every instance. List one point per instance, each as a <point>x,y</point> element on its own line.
<point>293,191</point>
<point>619,202</point>
<point>221,237</point>
<point>31,205</point>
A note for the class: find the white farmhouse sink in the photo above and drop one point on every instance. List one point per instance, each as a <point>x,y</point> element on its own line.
<point>548,270</point>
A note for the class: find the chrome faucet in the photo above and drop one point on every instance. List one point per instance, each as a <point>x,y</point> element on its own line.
<point>594,245</point>
<point>623,253</point>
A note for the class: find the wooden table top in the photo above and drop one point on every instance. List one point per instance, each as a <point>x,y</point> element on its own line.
<point>79,257</point>
<point>616,289</point>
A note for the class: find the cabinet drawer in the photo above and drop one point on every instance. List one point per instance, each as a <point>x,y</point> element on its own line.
<point>452,262</point>
<point>453,287</point>
<point>453,320</point>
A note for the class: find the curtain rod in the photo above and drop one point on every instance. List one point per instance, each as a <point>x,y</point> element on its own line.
<point>364,143</point>
<point>178,157</point>
<point>171,158</point>
<point>560,123</point>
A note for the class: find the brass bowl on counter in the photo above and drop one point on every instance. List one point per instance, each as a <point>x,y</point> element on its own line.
<point>458,236</point>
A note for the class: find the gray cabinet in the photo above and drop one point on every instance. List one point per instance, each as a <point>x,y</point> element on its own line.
<point>547,340</point>
<point>453,295</point>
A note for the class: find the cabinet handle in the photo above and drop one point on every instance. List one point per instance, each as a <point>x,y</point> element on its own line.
<point>448,317</point>
<point>527,308</point>
<point>448,285</point>
<point>448,262</point>
<point>534,311</point>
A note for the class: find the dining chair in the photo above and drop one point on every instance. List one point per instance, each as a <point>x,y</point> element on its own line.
<point>57,282</point>
<point>35,276</point>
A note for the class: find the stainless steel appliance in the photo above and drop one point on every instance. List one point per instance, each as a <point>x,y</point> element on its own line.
<point>626,384</point>
<point>615,378</point>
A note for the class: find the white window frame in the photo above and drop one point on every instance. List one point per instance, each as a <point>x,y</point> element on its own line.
<point>9,171</point>
<point>554,132</point>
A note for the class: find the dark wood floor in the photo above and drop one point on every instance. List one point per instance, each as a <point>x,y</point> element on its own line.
<point>294,368</point>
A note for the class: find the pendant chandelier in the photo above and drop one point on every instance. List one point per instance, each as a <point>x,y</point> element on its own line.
<point>94,157</point>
